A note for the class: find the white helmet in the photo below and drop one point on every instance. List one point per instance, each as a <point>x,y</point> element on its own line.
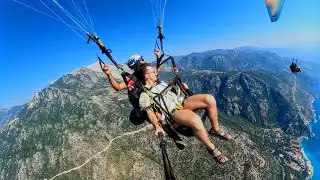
<point>134,61</point>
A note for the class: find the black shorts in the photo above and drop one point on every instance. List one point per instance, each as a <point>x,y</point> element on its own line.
<point>137,116</point>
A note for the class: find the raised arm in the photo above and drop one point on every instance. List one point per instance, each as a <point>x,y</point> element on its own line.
<point>117,86</point>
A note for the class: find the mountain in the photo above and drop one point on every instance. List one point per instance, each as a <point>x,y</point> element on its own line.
<point>251,59</point>
<point>255,84</point>
<point>9,114</point>
<point>78,127</point>
<point>263,99</point>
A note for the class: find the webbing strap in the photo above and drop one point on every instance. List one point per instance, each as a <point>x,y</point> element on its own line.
<point>102,47</point>
<point>166,162</point>
<point>159,96</point>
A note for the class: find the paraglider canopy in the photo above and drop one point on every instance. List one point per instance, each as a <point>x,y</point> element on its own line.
<point>274,8</point>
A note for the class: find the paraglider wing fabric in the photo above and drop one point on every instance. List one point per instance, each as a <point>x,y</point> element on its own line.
<point>274,8</point>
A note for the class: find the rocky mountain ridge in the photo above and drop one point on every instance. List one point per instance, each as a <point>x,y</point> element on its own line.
<point>9,114</point>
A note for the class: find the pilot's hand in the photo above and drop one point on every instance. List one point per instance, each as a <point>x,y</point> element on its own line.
<point>106,69</point>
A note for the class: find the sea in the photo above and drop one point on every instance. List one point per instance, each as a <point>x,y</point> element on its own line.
<point>311,147</point>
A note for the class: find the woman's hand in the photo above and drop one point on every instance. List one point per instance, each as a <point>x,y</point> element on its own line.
<point>159,131</point>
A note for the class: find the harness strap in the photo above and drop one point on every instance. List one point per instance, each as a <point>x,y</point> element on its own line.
<point>159,97</point>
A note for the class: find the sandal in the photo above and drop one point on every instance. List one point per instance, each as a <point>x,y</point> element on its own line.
<point>180,144</point>
<point>218,156</point>
<point>220,134</point>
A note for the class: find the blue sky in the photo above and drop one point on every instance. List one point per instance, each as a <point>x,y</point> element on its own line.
<point>36,50</point>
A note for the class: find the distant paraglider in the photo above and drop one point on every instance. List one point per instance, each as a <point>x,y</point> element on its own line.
<point>274,8</point>
<point>294,67</point>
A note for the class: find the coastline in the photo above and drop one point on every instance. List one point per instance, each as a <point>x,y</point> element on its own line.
<point>310,168</point>
<point>308,165</point>
<point>305,158</point>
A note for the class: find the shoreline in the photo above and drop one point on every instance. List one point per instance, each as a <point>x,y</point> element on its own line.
<point>308,163</point>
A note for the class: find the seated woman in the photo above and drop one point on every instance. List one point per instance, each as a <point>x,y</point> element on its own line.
<point>136,115</point>
<point>184,115</point>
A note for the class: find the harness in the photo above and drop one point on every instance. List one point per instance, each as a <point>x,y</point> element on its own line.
<point>176,82</point>
<point>294,67</point>
<point>156,100</point>
<point>135,88</point>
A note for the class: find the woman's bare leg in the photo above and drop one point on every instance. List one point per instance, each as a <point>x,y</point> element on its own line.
<point>190,119</point>
<point>207,101</point>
